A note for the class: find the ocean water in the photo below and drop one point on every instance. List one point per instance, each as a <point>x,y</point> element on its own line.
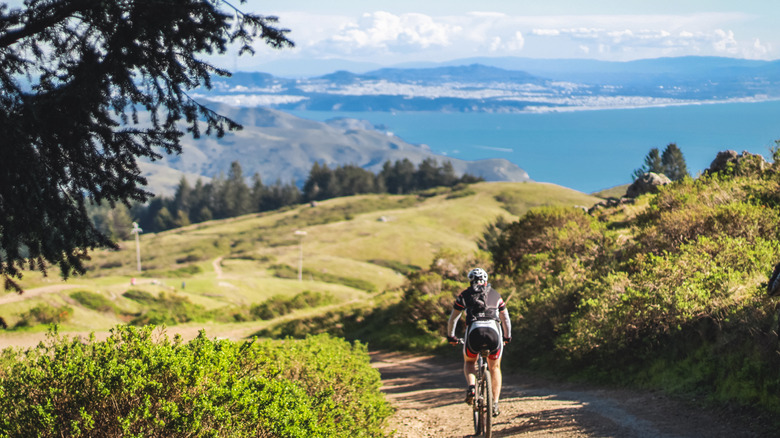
<point>585,150</point>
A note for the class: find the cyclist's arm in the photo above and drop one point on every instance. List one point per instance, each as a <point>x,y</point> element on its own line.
<point>506,324</point>
<point>453,322</point>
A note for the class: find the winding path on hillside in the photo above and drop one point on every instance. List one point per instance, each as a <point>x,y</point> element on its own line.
<point>428,391</point>
<point>12,297</point>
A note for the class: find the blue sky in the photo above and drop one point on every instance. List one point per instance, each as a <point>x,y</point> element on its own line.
<point>399,31</point>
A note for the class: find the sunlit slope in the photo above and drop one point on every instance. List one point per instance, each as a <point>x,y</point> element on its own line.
<point>349,250</point>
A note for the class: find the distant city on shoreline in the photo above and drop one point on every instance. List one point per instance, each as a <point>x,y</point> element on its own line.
<point>511,85</point>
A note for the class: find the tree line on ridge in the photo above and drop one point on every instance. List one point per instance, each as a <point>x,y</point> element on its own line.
<point>231,196</point>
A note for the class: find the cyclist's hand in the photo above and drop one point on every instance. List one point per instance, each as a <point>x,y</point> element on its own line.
<point>452,340</point>
<point>507,340</point>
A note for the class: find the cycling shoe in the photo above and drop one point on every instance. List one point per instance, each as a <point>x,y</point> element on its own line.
<point>470,395</point>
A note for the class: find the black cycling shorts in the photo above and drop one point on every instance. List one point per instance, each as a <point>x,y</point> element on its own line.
<point>484,335</point>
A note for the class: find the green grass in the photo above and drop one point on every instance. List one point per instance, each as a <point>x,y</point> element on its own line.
<point>612,192</point>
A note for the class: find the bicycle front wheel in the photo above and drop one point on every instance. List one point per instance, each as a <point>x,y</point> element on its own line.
<point>488,422</point>
<point>475,413</point>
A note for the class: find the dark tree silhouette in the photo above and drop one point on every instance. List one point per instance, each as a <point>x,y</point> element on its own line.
<point>670,163</point>
<point>75,76</point>
<point>652,164</point>
<point>674,163</point>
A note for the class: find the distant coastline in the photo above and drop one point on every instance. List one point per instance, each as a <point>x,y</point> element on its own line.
<point>542,110</point>
<point>260,100</point>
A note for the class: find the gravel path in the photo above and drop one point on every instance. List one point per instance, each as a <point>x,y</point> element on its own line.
<point>428,391</point>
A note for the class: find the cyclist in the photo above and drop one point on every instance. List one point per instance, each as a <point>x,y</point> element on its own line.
<point>487,328</point>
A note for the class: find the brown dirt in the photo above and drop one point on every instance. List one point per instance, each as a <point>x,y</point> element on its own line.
<point>428,391</point>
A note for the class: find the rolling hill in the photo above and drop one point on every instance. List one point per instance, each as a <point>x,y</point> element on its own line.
<point>280,146</point>
<point>354,248</point>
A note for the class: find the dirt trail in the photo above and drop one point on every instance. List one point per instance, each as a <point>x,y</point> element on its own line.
<point>428,391</point>
<point>12,297</point>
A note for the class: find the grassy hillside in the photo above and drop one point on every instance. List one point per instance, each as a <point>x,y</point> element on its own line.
<point>210,275</point>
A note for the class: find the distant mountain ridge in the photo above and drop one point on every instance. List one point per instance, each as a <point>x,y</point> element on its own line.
<point>280,146</point>
<point>510,85</point>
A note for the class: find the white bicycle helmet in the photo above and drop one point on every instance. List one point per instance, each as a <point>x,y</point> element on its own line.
<point>478,275</point>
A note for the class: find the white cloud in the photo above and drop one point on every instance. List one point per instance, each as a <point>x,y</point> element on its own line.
<point>383,30</point>
<point>546,32</point>
<point>388,38</point>
<point>652,42</point>
<point>724,41</point>
<point>758,50</point>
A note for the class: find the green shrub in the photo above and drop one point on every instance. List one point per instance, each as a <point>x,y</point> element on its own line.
<point>194,256</point>
<point>185,271</point>
<point>138,382</point>
<point>165,309</point>
<point>280,305</point>
<point>44,314</point>
<point>400,267</point>
<point>286,271</point>
<point>669,294</point>
<point>94,301</point>
<point>325,214</point>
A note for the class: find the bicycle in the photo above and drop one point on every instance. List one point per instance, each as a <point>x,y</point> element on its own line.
<point>482,406</point>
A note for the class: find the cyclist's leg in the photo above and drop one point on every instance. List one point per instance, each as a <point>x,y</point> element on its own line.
<point>470,369</point>
<point>495,372</point>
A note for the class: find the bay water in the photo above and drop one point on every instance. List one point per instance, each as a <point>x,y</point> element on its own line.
<point>587,150</point>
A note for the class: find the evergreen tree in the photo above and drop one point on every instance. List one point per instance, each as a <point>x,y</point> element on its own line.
<point>321,184</point>
<point>399,178</point>
<point>164,220</point>
<point>216,202</point>
<point>73,76</point>
<point>256,193</point>
<point>447,173</point>
<point>112,222</point>
<point>235,194</point>
<point>200,210</point>
<point>182,199</point>
<point>428,174</point>
<point>280,195</point>
<point>674,163</point>
<point>121,223</point>
<point>181,220</point>
<point>653,164</point>
<point>353,180</point>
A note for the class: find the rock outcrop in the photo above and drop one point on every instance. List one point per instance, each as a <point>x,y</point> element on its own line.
<point>647,183</point>
<point>732,162</point>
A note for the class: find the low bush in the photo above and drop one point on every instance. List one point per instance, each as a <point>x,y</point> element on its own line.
<point>185,271</point>
<point>325,214</point>
<point>138,382</point>
<point>94,301</point>
<point>286,271</point>
<point>194,256</point>
<point>167,309</point>
<point>397,266</point>
<point>280,305</point>
<point>44,314</point>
